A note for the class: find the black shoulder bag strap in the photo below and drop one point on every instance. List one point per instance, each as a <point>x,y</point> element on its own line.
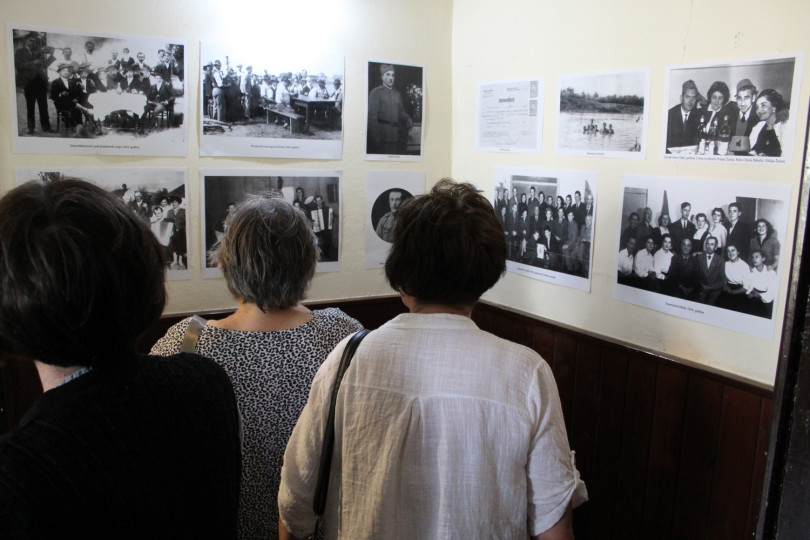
<point>319,501</point>
<point>192,334</point>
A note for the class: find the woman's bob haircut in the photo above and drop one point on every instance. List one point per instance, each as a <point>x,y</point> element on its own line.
<point>268,253</point>
<point>448,247</point>
<point>80,275</point>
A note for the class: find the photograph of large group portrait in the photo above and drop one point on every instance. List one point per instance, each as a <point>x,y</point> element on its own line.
<point>740,111</point>
<point>262,101</point>
<point>548,219</point>
<point>157,196</point>
<point>706,250</point>
<point>394,111</point>
<point>604,114</point>
<point>89,93</point>
<point>315,193</point>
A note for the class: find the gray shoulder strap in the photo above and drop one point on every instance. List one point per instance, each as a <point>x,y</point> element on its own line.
<point>192,334</point>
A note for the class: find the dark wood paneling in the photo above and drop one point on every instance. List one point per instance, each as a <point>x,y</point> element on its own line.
<point>665,446</point>
<point>635,447</point>
<point>597,514</point>
<point>736,450</point>
<point>667,450</point>
<point>564,366</point>
<point>698,456</point>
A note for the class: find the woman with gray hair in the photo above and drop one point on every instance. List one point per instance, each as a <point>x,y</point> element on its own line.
<point>271,346</point>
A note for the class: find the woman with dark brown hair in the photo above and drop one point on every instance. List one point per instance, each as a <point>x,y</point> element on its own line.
<point>442,430</point>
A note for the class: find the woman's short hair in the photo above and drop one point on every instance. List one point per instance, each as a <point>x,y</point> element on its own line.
<point>768,226</point>
<point>719,86</point>
<point>81,276</point>
<point>448,246</point>
<point>268,252</point>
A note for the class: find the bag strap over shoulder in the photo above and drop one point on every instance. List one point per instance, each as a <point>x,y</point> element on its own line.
<point>192,334</point>
<point>319,500</point>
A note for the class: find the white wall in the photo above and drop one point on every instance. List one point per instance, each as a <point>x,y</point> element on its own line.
<point>359,29</point>
<point>462,43</point>
<point>520,39</point>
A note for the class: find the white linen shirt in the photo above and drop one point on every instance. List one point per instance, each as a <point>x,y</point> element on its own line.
<point>442,430</point>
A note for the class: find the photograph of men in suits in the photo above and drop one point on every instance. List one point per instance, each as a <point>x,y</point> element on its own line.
<point>711,267</point>
<point>31,62</point>
<point>683,119</point>
<point>683,228</point>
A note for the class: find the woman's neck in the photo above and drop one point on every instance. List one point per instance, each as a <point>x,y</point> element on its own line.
<point>249,318</point>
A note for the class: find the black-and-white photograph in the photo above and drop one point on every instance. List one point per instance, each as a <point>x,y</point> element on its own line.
<point>603,113</point>
<point>90,93</point>
<point>316,193</point>
<point>158,196</point>
<point>257,102</point>
<point>386,192</point>
<point>548,218</point>
<point>394,111</point>
<point>740,111</point>
<point>706,250</point>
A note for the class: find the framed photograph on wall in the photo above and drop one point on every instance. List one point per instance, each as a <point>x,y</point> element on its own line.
<point>706,250</point>
<point>260,101</point>
<point>736,111</point>
<point>91,93</point>
<point>395,106</point>
<point>548,218</point>
<point>316,193</point>
<point>386,191</point>
<point>603,114</point>
<point>158,196</point>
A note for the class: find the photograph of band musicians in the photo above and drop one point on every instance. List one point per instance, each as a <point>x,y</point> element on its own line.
<point>716,250</point>
<point>156,196</point>
<point>71,85</point>
<point>731,110</point>
<point>545,230</point>
<point>318,197</point>
<point>246,94</point>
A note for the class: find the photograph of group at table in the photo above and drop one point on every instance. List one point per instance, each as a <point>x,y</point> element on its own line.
<point>731,111</point>
<point>243,94</point>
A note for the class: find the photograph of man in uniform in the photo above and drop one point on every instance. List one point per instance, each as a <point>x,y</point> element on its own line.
<point>394,112</point>
<point>391,200</point>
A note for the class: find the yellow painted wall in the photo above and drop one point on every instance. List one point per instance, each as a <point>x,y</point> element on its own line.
<point>358,29</point>
<point>521,39</point>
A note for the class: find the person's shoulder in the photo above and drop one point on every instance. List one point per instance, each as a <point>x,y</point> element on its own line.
<point>337,316</point>
<point>170,343</point>
<point>190,367</point>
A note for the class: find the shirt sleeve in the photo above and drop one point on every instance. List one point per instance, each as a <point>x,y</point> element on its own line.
<point>170,343</point>
<point>553,479</point>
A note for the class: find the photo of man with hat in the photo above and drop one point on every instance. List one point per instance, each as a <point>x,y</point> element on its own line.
<point>31,62</point>
<point>388,122</point>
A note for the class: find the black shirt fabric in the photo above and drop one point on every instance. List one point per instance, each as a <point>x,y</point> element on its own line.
<point>147,448</point>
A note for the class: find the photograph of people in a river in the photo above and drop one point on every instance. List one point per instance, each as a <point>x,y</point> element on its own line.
<point>738,111</point>
<point>603,113</point>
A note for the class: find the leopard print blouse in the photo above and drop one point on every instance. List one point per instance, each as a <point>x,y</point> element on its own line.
<point>271,373</point>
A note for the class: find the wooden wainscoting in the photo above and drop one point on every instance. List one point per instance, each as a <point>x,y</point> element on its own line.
<point>666,449</point>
